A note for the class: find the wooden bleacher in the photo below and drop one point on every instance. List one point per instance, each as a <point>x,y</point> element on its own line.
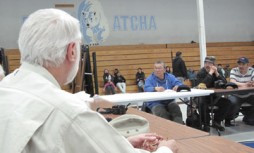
<point>12,61</point>
<point>128,58</point>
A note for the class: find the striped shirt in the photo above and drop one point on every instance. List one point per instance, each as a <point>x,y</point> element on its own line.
<point>242,78</point>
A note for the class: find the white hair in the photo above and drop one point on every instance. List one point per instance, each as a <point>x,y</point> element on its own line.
<point>45,35</point>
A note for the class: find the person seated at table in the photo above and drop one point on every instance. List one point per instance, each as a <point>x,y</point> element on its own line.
<point>192,76</point>
<point>221,70</point>
<point>208,75</point>
<point>120,82</point>
<point>109,86</point>
<point>160,81</point>
<point>48,119</point>
<point>140,80</point>
<point>243,77</point>
<point>227,71</point>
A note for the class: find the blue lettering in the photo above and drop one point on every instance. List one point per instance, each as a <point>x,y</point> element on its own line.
<point>134,24</point>
<point>117,24</point>
<point>142,23</point>
<point>124,22</point>
<point>152,23</point>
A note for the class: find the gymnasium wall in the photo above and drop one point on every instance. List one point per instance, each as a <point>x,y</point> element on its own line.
<point>122,22</point>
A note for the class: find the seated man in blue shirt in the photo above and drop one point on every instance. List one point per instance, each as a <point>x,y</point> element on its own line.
<point>160,81</point>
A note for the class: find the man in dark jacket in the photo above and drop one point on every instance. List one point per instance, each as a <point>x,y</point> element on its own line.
<point>179,68</point>
<point>120,82</point>
<point>208,75</point>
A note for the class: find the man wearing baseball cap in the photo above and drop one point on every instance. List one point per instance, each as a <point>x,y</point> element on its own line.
<point>208,75</point>
<point>242,76</point>
<point>243,60</point>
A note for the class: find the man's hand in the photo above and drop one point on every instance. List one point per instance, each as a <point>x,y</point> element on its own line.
<point>147,141</point>
<point>250,84</point>
<point>151,142</point>
<point>159,89</point>
<point>213,70</point>
<point>175,88</point>
<point>171,144</point>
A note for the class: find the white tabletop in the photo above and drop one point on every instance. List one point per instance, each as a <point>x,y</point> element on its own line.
<point>135,98</point>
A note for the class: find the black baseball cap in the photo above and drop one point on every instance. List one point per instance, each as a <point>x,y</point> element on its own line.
<point>243,60</point>
<point>210,59</point>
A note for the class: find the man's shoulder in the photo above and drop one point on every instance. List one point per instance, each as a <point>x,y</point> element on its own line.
<point>168,75</point>
<point>151,78</point>
<point>235,70</point>
<point>201,71</point>
<point>52,96</point>
<point>250,69</point>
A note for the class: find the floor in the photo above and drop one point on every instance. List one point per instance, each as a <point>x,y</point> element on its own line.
<point>238,133</point>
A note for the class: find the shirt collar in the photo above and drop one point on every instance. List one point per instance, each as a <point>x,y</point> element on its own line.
<point>41,71</point>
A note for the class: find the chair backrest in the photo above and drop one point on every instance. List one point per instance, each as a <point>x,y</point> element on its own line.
<point>144,108</point>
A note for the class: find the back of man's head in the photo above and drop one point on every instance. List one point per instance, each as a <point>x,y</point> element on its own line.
<point>178,53</point>
<point>45,35</point>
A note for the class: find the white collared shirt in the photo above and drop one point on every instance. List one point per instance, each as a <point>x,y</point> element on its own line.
<point>37,117</point>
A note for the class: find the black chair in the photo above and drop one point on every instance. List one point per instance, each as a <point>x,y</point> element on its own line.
<point>145,108</point>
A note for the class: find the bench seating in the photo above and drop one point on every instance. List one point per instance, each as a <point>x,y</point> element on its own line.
<point>12,62</point>
<point>128,58</point>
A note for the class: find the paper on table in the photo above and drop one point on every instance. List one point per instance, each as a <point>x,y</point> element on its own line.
<point>98,98</point>
<point>169,90</point>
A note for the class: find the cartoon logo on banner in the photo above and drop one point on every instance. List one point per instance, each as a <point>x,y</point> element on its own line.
<point>94,25</point>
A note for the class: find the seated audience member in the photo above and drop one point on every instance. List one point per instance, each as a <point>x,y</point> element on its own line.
<point>115,72</point>
<point>109,86</point>
<point>192,76</point>
<point>208,75</point>
<point>242,76</point>
<point>140,79</point>
<point>227,71</point>
<point>2,73</point>
<point>221,70</point>
<point>48,119</point>
<point>120,82</point>
<point>168,69</point>
<point>160,81</point>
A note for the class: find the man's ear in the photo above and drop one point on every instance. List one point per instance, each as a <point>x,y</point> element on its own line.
<point>71,51</point>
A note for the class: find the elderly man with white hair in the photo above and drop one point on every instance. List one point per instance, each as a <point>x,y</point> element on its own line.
<point>37,116</point>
